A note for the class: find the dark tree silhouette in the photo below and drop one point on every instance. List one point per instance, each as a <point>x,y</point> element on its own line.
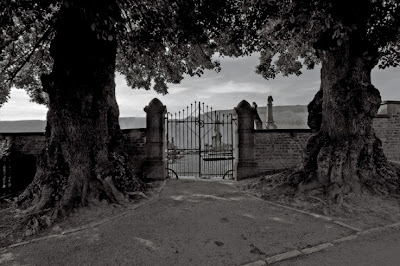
<point>349,38</point>
<point>65,54</point>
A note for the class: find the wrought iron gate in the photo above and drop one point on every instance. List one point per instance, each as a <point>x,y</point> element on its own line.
<point>200,142</point>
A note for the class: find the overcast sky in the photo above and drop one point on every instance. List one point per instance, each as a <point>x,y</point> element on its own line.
<point>236,81</point>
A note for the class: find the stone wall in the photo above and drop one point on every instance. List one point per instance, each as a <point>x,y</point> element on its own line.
<point>33,143</point>
<point>279,148</point>
<point>18,166</point>
<point>135,141</point>
<point>145,150</point>
<point>388,130</point>
<point>282,148</point>
<point>26,147</point>
<point>26,143</point>
<point>258,150</point>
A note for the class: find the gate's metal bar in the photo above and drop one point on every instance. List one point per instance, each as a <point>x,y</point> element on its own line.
<point>213,114</point>
<point>232,145</point>
<point>221,168</point>
<point>167,136</point>
<point>179,141</point>
<point>183,139</point>
<point>187,134</point>
<point>199,119</point>
<point>191,123</point>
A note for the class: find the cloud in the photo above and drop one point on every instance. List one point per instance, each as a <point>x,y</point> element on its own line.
<point>201,97</point>
<point>233,87</point>
<point>19,107</point>
<point>236,81</point>
<point>387,81</point>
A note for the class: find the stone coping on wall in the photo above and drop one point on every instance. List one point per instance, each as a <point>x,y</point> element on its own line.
<point>390,102</point>
<point>127,130</point>
<point>22,134</point>
<point>283,130</point>
<point>382,116</point>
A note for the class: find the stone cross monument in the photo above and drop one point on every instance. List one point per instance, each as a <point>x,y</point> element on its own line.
<point>270,120</point>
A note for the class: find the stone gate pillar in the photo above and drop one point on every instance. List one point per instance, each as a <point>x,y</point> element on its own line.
<point>245,164</point>
<point>155,167</point>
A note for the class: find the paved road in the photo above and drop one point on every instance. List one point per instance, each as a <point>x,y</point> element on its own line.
<point>376,249</point>
<point>190,223</point>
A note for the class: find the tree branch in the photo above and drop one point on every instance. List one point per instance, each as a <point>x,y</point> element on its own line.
<point>28,57</point>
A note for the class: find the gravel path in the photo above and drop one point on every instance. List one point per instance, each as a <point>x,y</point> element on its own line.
<point>190,223</point>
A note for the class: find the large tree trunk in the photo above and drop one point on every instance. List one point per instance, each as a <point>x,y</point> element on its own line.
<point>344,156</point>
<point>84,159</point>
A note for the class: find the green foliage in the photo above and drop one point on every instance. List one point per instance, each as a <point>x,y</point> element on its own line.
<point>161,40</point>
<point>27,28</point>
<point>158,41</point>
<point>293,31</point>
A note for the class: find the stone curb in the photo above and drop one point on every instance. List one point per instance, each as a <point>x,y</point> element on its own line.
<point>90,225</point>
<point>372,230</point>
<point>344,239</point>
<point>323,246</point>
<point>256,263</point>
<point>393,225</point>
<point>379,229</point>
<point>316,248</point>
<point>284,256</point>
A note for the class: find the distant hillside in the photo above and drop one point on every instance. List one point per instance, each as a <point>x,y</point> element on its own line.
<point>29,126</point>
<point>22,126</point>
<point>285,116</point>
<point>288,116</point>
<point>132,122</point>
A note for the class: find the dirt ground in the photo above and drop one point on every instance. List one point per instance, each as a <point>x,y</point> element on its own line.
<point>363,212</point>
<point>13,224</point>
<point>198,222</point>
<point>191,222</point>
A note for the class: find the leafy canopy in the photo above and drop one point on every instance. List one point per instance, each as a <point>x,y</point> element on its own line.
<point>161,40</point>
<point>158,40</point>
<point>289,33</point>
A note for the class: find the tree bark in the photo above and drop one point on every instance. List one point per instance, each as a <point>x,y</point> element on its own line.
<point>84,159</point>
<point>344,156</point>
